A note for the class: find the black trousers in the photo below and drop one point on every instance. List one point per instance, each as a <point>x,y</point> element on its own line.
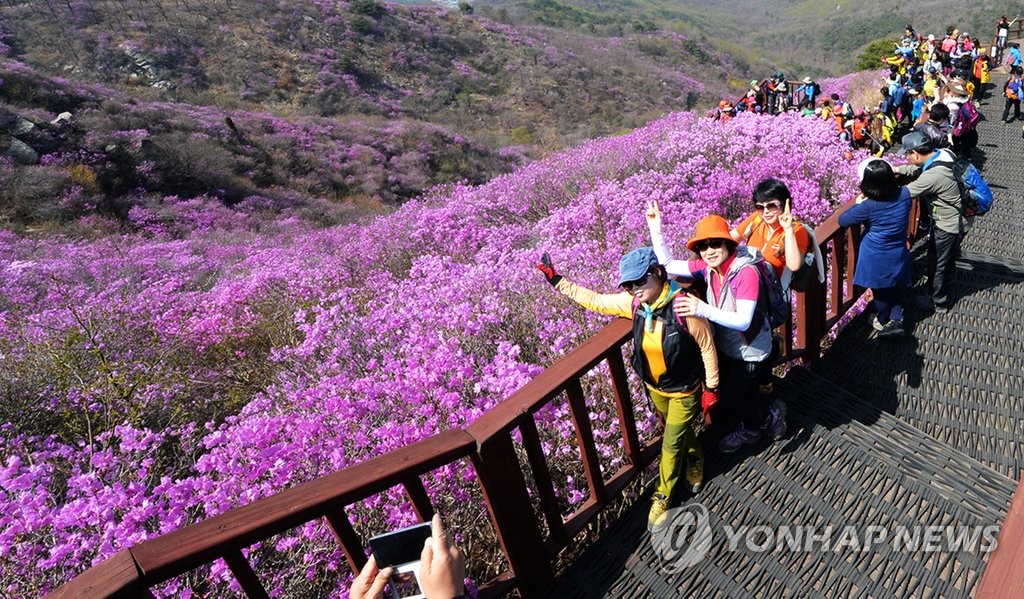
<point>741,401</point>
<point>942,250</point>
<point>964,144</point>
<point>1016,108</point>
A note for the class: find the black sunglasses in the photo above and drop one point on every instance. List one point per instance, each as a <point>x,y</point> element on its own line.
<point>631,285</point>
<point>714,244</point>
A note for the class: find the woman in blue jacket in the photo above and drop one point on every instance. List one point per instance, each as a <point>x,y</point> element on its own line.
<point>883,264</point>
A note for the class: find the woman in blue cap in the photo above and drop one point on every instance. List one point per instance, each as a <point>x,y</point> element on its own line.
<point>674,357</point>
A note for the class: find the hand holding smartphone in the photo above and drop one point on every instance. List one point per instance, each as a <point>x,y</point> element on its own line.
<point>423,551</point>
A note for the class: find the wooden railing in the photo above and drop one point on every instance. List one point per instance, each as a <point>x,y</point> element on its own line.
<point>529,545</point>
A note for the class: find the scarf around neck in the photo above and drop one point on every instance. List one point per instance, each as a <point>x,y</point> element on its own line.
<point>668,293</point>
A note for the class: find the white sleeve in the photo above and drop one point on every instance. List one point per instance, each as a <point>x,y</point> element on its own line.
<point>676,268</point>
<point>738,321</point>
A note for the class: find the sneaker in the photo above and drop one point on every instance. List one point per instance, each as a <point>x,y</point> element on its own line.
<point>893,328</point>
<point>875,324</point>
<point>695,475</point>
<point>737,439</point>
<point>776,425</point>
<point>659,505</point>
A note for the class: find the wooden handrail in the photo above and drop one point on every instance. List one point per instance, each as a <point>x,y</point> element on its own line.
<point>488,444</point>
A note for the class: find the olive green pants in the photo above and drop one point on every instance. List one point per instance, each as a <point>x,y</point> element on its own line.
<point>679,442</point>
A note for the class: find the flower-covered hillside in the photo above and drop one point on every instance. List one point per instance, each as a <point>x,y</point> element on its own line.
<point>489,81</point>
<point>111,153</point>
<point>157,378</point>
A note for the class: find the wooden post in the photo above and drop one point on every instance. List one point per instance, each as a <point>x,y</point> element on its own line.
<point>504,488</point>
<point>624,407</point>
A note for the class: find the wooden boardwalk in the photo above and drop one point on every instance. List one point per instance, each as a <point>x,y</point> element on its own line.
<point>925,432</point>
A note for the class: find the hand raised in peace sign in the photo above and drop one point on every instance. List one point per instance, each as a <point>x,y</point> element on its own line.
<point>786,218</point>
<point>653,214</point>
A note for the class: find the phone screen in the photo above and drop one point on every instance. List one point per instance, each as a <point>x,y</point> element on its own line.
<point>399,546</point>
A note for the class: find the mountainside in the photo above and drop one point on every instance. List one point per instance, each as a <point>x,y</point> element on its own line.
<point>503,86</point>
<point>78,151</point>
<point>798,36</point>
<point>158,376</point>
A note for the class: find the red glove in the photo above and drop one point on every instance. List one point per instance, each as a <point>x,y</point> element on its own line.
<point>708,400</point>
<point>548,269</point>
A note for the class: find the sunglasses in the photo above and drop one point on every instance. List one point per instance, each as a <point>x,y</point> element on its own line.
<point>768,205</point>
<point>714,244</point>
<point>631,285</point>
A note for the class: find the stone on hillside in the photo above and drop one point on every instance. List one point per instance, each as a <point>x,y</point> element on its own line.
<point>20,126</point>
<point>22,152</point>
<point>62,118</point>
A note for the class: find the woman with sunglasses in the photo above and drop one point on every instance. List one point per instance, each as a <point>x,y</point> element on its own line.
<point>674,357</point>
<point>743,337</point>
<point>772,230</point>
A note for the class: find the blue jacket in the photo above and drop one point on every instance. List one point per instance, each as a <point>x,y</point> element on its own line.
<point>884,260</point>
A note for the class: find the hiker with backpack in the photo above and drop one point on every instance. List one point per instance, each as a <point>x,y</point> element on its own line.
<point>936,187</point>
<point>965,129</point>
<point>883,262</point>
<point>1013,58</point>
<point>1012,92</point>
<point>673,355</point>
<point>738,302</point>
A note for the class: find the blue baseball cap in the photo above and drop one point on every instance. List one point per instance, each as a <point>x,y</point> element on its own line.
<point>635,264</point>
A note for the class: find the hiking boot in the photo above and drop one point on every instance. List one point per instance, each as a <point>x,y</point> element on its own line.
<point>659,505</point>
<point>893,329</point>
<point>775,427</point>
<point>738,438</point>
<point>875,324</point>
<point>695,475</point>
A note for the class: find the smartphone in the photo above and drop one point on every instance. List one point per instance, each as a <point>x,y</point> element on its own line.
<point>400,547</point>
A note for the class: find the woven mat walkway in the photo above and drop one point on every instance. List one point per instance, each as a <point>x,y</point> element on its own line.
<point>924,432</point>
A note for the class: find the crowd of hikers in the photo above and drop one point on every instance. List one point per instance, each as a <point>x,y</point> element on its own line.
<point>924,72</point>
<point>704,329</point>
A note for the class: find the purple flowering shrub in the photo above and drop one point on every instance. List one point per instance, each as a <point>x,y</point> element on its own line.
<point>207,356</point>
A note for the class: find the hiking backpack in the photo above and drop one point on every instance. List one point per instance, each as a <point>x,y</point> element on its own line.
<point>1013,89</point>
<point>772,300</point>
<point>967,119</point>
<point>975,195</point>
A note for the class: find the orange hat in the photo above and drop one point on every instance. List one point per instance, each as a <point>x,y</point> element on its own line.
<point>724,104</point>
<point>711,226</point>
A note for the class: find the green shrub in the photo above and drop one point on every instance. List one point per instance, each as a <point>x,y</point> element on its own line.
<point>869,58</point>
